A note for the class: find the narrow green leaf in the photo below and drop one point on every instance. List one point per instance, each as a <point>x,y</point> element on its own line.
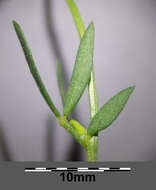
<point>93,100</point>
<point>109,112</point>
<point>33,69</point>
<point>81,71</point>
<point>60,81</point>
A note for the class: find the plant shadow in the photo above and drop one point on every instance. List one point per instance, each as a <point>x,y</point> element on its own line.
<point>49,140</point>
<point>4,146</point>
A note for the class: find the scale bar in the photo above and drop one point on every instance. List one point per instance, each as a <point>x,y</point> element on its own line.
<point>85,169</point>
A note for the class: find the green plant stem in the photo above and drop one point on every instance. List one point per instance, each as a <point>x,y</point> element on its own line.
<point>80,129</point>
<point>76,16</point>
<point>92,149</point>
<point>79,137</point>
<point>93,102</point>
<point>90,144</point>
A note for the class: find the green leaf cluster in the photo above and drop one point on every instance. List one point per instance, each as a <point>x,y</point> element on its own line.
<point>79,80</point>
<point>82,75</point>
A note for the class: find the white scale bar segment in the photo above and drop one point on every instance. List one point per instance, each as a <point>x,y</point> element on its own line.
<point>79,170</point>
<point>125,168</point>
<point>82,168</point>
<point>40,168</point>
<point>104,169</point>
<point>61,168</point>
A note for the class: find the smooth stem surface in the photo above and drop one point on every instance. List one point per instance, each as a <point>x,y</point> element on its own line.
<point>76,16</point>
<point>93,102</point>
<point>90,144</point>
<point>92,149</point>
<point>79,137</point>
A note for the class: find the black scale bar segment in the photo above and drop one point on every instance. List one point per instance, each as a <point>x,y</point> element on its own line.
<point>93,168</point>
<point>117,171</point>
<point>64,170</point>
<point>29,168</point>
<point>50,168</point>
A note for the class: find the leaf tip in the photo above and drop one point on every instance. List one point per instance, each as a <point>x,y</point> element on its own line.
<point>91,26</point>
<point>131,88</point>
<point>14,23</point>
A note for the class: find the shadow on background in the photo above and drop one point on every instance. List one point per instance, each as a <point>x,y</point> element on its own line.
<point>1,1</point>
<point>75,152</point>
<point>4,1</point>
<point>54,42</point>
<point>4,147</point>
<point>50,140</point>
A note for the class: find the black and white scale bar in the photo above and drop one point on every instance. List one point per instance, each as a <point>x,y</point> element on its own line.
<point>77,169</point>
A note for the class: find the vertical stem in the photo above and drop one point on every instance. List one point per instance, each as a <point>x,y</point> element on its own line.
<point>93,102</point>
<point>76,16</point>
<point>92,149</point>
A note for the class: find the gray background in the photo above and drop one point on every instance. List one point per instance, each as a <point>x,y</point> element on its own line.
<point>125,55</point>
